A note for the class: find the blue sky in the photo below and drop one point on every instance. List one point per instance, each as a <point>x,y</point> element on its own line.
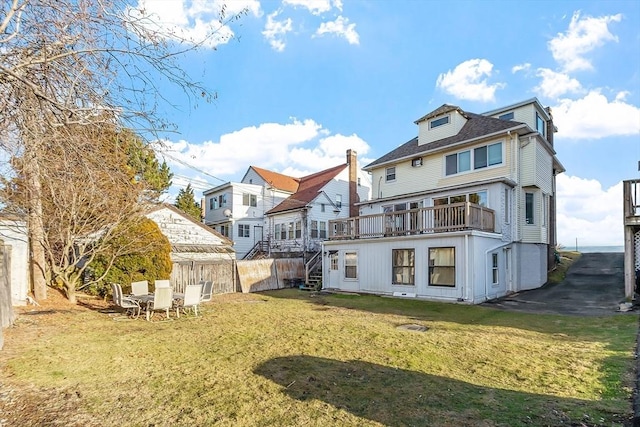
<point>300,81</point>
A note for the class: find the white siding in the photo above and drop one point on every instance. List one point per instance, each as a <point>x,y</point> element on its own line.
<point>472,266</point>
<point>14,235</point>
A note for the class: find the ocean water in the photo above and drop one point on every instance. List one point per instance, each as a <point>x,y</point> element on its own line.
<point>587,249</point>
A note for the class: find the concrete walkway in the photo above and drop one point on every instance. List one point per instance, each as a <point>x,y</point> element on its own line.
<point>594,286</point>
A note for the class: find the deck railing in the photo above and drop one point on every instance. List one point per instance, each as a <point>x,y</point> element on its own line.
<point>631,194</point>
<point>452,217</point>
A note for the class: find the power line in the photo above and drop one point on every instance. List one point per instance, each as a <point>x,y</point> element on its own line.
<point>182,162</point>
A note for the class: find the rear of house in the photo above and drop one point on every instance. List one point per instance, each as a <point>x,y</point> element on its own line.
<point>463,212</point>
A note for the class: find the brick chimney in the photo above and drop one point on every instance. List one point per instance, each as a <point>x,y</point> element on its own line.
<point>353,183</point>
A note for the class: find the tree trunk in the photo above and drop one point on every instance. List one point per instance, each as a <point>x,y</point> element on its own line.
<point>36,228</point>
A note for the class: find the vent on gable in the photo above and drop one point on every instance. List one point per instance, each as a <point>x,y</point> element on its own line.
<point>417,162</point>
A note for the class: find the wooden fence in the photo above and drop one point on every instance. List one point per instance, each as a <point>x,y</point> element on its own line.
<point>222,273</point>
<point>7,315</point>
<point>268,274</point>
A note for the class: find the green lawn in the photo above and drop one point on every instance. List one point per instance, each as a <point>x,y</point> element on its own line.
<point>293,358</point>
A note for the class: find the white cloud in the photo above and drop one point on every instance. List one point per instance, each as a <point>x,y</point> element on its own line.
<point>520,67</point>
<point>584,35</point>
<point>594,117</point>
<point>274,31</point>
<point>190,21</point>
<point>298,148</point>
<point>341,28</point>
<point>588,213</point>
<point>316,7</point>
<point>555,84</point>
<point>469,81</point>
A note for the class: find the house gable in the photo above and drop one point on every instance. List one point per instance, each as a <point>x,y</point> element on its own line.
<point>181,229</point>
<point>441,123</point>
<point>278,181</point>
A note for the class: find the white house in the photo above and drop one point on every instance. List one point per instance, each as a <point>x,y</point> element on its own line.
<point>236,209</point>
<point>465,211</point>
<point>276,213</point>
<point>14,238</point>
<point>300,223</point>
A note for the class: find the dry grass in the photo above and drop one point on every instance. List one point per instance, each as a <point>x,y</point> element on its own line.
<point>291,358</point>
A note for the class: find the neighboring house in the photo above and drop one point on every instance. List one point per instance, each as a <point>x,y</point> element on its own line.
<point>236,209</point>
<point>300,223</point>
<point>190,239</point>
<point>463,212</point>
<point>278,214</point>
<point>14,238</point>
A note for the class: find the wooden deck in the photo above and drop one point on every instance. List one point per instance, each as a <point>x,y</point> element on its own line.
<point>437,219</point>
<point>631,212</point>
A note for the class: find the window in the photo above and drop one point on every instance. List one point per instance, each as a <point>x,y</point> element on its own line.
<point>333,260</point>
<point>283,232</point>
<point>529,208</point>
<point>487,155</point>
<point>212,202</point>
<point>459,162</point>
<point>314,229</point>
<point>442,267</point>
<point>540,125</point>
<point>506,116</point>
<point>494,269</point>
<point>249,200</point>
<point>478,198</point>
<point>298,229</point>
<point>224,230</point>
<point>290,231</point>
<point>243,230</point>
<point>338,201</point>
<point>403,272</point>
<point>439,122</point>
<point>222,200</point>
<point>545,205</point>
<point>351,265</point>
<point>276,231</point>
<point>323,230</point>
<point>322,207</point>
<point>416,162</point>
<point>390,174</point>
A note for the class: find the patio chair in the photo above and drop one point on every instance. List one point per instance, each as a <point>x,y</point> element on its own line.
<point>191,299</point>
<point>131,306</point>
<point>207,289</point>
<point>140,288</point>
<point>162,301</point>
<point>162,284</point>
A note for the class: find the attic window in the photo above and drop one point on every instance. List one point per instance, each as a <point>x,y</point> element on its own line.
<point>506,116</point>
<point>439,122</point>
<point>416,162</point>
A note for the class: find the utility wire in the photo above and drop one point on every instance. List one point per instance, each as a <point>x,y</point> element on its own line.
<point>182,162</point>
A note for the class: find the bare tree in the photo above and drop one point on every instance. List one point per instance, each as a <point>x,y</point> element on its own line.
<point>66,64</point>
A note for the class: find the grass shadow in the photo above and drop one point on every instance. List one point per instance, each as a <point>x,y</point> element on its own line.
<point>399,397</point>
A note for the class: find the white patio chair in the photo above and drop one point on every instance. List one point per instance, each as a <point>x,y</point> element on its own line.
<point>140,288</point>
<point>162,284</point>
<point>162,301</point>
<point>191,299</point>
<point>207,289</point>
<point>131,306</point>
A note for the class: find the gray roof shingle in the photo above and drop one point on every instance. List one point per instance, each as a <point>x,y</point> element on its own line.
<point>476,126</point>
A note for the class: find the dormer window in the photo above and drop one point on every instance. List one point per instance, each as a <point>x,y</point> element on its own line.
<point>439,122</point>
<point>506,116</point>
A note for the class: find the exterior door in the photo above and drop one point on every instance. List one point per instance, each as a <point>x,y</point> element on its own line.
<point>334,270</point>
<point>257,234</point>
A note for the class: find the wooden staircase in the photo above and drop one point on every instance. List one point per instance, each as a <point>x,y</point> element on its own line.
<point>313,273</point>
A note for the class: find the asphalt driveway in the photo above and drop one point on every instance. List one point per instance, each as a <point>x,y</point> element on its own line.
<point>594,286</point>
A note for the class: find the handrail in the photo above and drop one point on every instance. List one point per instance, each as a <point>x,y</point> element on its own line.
<point>310,265</point>
<point>443,218</point>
